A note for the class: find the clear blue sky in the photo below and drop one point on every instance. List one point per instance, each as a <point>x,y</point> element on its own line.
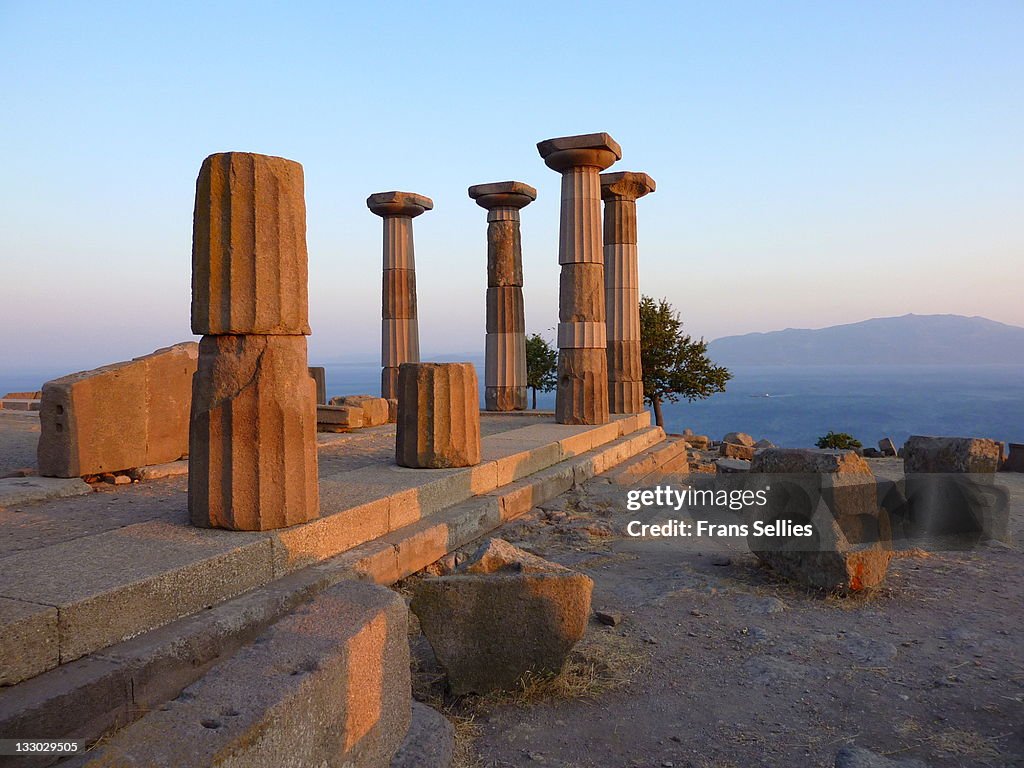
<point>817,162</point>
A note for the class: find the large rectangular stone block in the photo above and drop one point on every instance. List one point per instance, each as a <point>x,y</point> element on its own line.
<point>951,454</point>
<point>319,376</point>
<point>333,690</point>
<point>249,263</point>
<point>253,434</point>
<point>169,401</point>
<point>375,409</point>
<point>339,418</point>
<point>438,416</point>
<point>119,416</point>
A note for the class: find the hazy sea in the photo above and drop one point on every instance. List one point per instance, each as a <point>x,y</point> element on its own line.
<point>793,406</point>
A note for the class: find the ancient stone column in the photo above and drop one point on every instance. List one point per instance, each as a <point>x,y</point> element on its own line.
<point>252,432</point>
<point>620,192</point>
<point>505,364</point>
<point>400,334</point>
<point>581,396</point>
<point>438,416</point>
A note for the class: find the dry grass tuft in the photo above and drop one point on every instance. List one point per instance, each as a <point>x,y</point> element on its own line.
<point>602,661</point>
<point>962,743</point>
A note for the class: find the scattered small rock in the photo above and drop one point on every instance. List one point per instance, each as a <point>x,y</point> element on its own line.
<point>609,618</point>
<point>721,560</point>
<point>739,438</point>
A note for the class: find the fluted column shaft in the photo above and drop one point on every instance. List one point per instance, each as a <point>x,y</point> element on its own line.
<point>252,428</point>
<point>400,337</point>
<point>622,288</point>
<point>581,396</point>
<point>505,341</point>
<point>400,334</point>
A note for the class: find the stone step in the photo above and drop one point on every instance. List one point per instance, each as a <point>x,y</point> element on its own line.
<point>364,504</point>
<point>64,601</point>
<point>109,688</point>
<point>401,553</point>
<point>668,456</point>
<point>340,662</point>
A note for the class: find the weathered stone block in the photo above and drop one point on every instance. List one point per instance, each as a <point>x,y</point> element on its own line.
<point>1015,458</point>
<point>169,401</point>
<point>438,416</point>
<point>119,416</point>
<point>504,613</point>
<point>951,454</point>
<point>339,418</point>
<point>835,492</point>
<point>319,376</point>
<point>375,409</point>
<point>887,447</point>
<point>334,690</point>
<point>249,263</point>
<point>582,390</point>
<point>253,434</point>
<point>739,438</point>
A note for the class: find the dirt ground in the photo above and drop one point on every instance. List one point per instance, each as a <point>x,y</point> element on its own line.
<point>718,662</point>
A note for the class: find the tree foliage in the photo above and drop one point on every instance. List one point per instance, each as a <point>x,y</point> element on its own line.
<point>840,440</point>
<point>674,364</point>
<point>541,365</point>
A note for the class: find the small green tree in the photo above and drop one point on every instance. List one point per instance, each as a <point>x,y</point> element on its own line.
<point>840,440</point>
<point>541,365</point>
<point>674,364</point>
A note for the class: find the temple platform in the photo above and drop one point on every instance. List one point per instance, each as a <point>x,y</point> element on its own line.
<point>111,602</point>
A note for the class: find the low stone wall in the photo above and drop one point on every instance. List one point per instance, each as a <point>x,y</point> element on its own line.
<point>119,416</point>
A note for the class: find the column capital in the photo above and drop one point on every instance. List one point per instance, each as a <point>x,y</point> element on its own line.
<point>596,150</point>
<point>398,204</point>
<point>503,194</point>
<point>626,185</point>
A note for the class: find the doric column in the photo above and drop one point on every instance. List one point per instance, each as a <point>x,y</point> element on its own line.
<point>581,396</point>
<point>252,432</point>
<point>505,365</point>
<point>620,192</point>
<point>400,334</point>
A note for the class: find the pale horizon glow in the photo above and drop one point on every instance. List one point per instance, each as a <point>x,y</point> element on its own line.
<point>817,164</point>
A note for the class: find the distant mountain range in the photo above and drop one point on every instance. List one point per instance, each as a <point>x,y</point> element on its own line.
<point>906,340</point>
